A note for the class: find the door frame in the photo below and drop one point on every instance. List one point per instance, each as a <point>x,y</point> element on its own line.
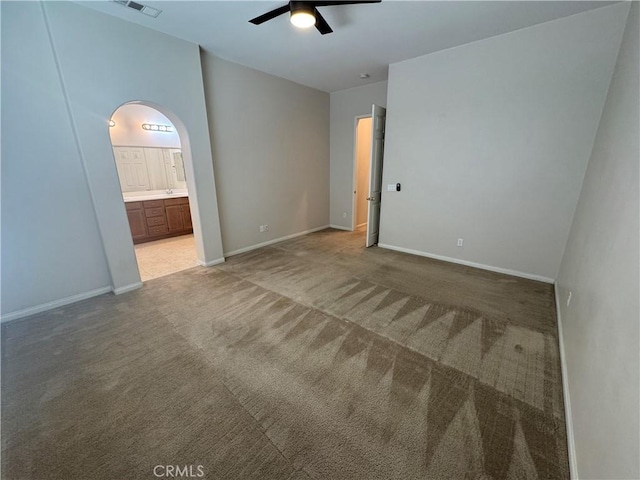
<point>354,189</point>
<point>187,158</point>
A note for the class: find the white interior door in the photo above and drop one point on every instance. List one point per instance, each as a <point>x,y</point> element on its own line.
<point>378,115</point>
<point>132,169</point>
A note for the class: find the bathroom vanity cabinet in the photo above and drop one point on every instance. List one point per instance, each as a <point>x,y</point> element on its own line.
<point>162,218</point>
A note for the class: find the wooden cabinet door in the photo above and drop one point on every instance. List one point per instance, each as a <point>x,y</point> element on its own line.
<point>175,222</point>
<point>186,217</point>
<point>138,224</point>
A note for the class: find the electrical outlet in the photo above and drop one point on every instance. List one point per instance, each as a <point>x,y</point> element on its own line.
<point>261,228</point>
<point>344,214</point>
<point>569,298</point>
<point>266,228</point>
<point>460,242</point>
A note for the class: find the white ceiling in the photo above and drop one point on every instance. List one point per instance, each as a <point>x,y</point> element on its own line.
<point>366,38</point>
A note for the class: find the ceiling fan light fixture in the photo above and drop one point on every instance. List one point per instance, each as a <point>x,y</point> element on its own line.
<point>303,19</point>
<point>302,15</point>
<point>305,14</point>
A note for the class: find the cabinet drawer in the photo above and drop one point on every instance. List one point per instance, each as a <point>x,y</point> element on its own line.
<point>154,212</point>
<point>177,201</point>
<point>133,205</point>
<point>152,221</point>
<point>158,230</point>
<point>152,203</point>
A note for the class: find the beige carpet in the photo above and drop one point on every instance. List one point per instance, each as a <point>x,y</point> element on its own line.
<point>313,358</point>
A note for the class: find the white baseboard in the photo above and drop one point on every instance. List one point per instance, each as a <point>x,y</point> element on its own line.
<point>571,446</point>
<point>211,263</point>
<point>506,271</point>
<point>127,288</point>
<point>8,317</point>
<point>271,242</point>
<point>340,227</point>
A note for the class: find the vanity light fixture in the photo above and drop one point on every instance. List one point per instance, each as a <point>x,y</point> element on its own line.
<point>157,128</point>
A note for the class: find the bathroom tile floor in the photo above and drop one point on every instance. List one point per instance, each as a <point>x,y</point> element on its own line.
<point>162,257</point>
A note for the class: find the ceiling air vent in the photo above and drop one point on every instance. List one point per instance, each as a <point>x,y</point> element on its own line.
<point>147,10</point>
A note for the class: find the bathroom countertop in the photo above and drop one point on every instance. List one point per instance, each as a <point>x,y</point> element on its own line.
<point>153,195</point>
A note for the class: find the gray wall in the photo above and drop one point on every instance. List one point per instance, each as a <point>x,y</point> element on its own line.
<point>600,267</point>
<point>491,140</point>
<point>346,105</point>
<point>270,142</point>
<point>51,247</point>
<point>61,241</point>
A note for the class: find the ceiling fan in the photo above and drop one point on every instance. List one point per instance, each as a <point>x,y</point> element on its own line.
<point>305,14</point>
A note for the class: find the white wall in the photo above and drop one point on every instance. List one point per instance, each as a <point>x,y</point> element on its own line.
<point>363,161</point>
<point>128,131</point>
<point>491,140</point>
<point>51,246</point>
<point>99,71</point>
<point>600,267</point>
<point>346,105</point>
<point>270,141</point>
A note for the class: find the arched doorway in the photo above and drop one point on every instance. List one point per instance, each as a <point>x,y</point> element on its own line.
<point>150,163</point>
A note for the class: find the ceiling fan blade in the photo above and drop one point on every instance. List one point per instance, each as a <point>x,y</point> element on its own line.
<point>342,2</point>
<point>269,15</point>
<point>321,24</point>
